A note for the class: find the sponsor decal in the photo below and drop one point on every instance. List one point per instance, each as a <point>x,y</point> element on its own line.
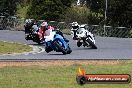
<point>83,78</point>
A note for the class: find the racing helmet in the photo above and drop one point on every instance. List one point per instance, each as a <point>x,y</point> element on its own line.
<point>75,25</point>
<point>27,21</point>
<point>44,24</point>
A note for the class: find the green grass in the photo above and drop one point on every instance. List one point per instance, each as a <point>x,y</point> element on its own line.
<point>8,48</point>
<point>59,76</point>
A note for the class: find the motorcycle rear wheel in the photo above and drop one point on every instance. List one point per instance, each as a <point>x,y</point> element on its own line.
<point>48,49</point>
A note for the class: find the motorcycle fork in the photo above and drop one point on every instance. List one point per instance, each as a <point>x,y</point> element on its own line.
<point>91,38</point>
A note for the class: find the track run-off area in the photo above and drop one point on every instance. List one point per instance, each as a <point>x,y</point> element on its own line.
<point>108,48</point>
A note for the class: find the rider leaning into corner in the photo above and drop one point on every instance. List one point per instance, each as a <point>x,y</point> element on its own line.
<point>77,28</point>
<point>45,31</point>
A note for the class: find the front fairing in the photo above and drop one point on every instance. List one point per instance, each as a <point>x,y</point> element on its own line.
<point>81,33</point>
<point>59,39</point>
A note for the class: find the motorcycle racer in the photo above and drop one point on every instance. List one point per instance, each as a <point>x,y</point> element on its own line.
<point>42,29</point>
<point>82,35</point>
<point>46,31</point>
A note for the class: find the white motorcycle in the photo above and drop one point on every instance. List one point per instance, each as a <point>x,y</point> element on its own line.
<point>83,36</point>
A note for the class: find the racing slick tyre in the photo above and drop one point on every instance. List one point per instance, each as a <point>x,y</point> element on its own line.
<point>36,39</point>
<point>27,36</point>
<point>91,44</point>
<point>48,49</point>
<point>39,42</point>
<point>60,48</point>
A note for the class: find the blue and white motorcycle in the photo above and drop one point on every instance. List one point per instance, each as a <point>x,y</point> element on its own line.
<point>55,42</point>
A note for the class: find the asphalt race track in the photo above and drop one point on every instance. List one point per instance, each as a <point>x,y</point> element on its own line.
<point>108,48</point>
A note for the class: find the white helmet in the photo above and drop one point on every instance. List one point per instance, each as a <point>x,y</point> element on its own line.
<point>44,24</point>
<point>28,21</point>
<point>75,25</point>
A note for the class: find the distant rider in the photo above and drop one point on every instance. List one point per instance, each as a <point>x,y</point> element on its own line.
<point>31,26</point>
<point>28,25</point>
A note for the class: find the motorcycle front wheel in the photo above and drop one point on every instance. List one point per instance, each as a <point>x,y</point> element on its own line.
<point>64,51</point>
<point>91,43</point>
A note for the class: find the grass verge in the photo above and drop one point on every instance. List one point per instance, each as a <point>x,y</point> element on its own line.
<point>9,48</point>
<point>37,75</point>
